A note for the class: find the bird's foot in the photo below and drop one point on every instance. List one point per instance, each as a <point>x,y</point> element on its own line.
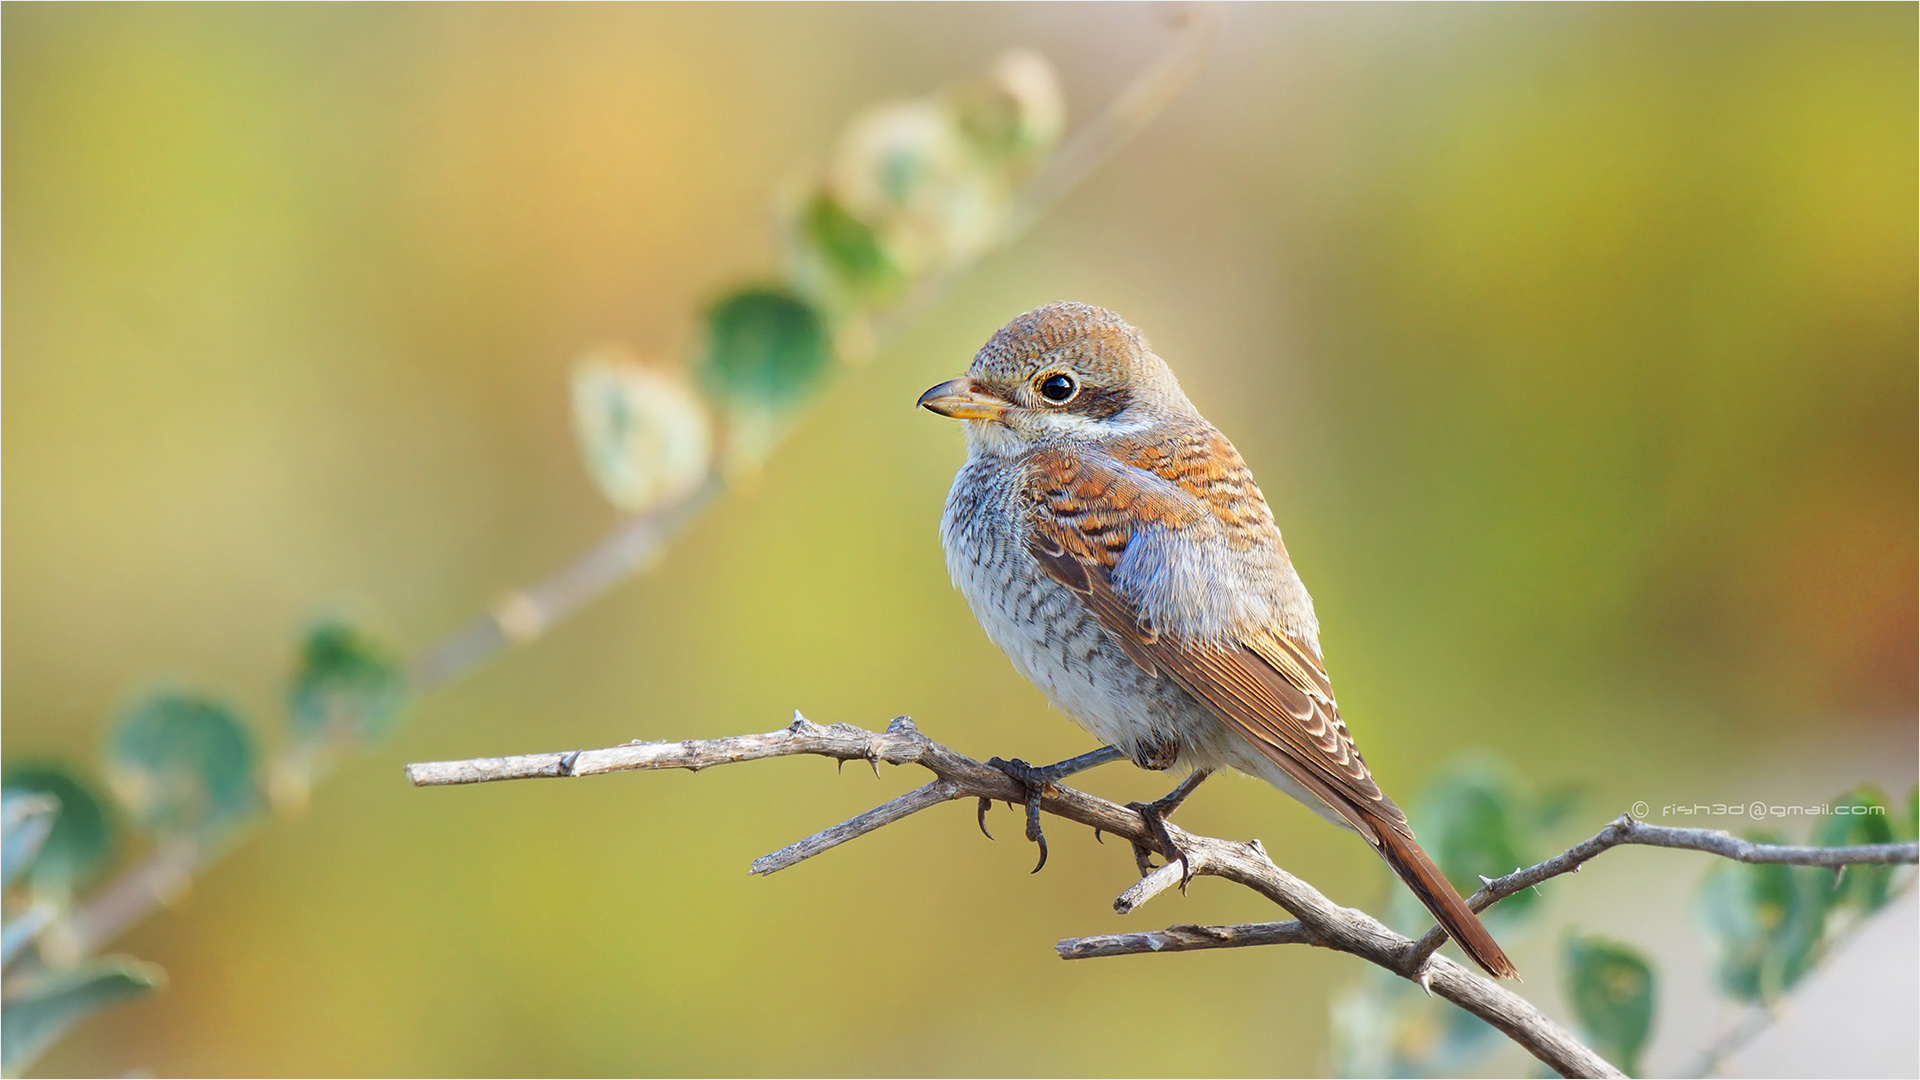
<point>1155,815</point>
<point>1035,781</point>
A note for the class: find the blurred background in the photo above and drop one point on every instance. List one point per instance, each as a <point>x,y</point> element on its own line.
<point>1574,347</point>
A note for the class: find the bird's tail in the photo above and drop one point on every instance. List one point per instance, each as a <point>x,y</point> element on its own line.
<point>1432,889</point>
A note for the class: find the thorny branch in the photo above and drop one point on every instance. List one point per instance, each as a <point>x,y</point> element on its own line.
<point>1317,920</point>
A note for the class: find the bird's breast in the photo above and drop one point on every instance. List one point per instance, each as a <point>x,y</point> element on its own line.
<point>1043,627</point>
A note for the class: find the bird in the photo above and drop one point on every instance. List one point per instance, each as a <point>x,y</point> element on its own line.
<point>1115,546</point>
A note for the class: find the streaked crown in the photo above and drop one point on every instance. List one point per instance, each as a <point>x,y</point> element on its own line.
<point>1072,369</point>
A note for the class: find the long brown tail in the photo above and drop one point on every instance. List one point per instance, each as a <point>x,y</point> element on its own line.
<point>1432,888</point>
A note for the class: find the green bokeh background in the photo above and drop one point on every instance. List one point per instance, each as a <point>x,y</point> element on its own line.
<point>1574,347</point>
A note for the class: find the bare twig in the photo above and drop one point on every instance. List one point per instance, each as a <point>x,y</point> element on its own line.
<point>527,613</point>
<point>1320,921</point>
<point>1185,937</point>
<point>1624,830</point>
<point>885,814</point>
<point>161,877</point>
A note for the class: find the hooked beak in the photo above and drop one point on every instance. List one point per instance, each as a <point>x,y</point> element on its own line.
<point>963,399</point>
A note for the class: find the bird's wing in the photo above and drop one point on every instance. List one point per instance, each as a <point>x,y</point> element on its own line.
<point>1084,512</point>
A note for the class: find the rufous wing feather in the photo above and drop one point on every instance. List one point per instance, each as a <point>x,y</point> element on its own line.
<point>1267,686</point>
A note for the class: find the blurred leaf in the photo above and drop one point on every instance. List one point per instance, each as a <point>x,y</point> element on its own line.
<point>765,347</point>
<point>906,169</point>
<point>1910,821</point>
<point>1556,804</point>
<point>1474,822</point>
<point>347,687</point>
<point>1016,112</point>
<point>23,928</point>
<point>924,183</point>
<point>83,833</point>
<point>1861,816</point>
<point>182,764</point>
<point>643,431</point>
<point>850,249</point>
<point>1765,922</point>
<point>1611,987</point>
<point>40,1012</point>
<point>26,820</point>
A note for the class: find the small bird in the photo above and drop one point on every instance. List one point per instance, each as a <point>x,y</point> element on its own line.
<point>1114,545</point>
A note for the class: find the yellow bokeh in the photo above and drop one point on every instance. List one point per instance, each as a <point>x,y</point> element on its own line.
<point>1573,346</point>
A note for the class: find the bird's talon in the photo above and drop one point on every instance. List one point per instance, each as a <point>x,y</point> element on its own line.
<point>1154,816</point>
<point>985,804</point>
<point>1036,782</point>
<point>1143,859</point>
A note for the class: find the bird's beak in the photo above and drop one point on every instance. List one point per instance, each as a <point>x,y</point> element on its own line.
<point>963,399</point>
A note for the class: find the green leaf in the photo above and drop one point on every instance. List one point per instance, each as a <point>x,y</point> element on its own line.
<point>766,347</point>
<point>182,764</point>
<point>26,820</point>
<point>347,687</point>
<point>851,248</point>
<point>1474,822</point>
<point>1611,987</point>
<point>1861,816</point>
<point>42,1011</point>
<point>1557,804</point>
<point>643,430</point>
<point>1015,112</point>
<point>1910,821</point>
<point>1765,922</point>
<point>83,835</point>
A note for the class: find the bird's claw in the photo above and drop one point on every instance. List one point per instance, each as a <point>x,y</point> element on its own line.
<point>1154,815</point>
<point>1036,782</point>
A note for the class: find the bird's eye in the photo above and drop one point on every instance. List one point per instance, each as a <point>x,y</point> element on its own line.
<point>1057,388</point>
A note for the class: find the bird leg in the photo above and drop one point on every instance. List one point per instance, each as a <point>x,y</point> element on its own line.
<point>1037,780</point>
<point>1155,814</point>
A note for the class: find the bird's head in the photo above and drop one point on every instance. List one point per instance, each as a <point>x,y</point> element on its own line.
<point>1065,372</point>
